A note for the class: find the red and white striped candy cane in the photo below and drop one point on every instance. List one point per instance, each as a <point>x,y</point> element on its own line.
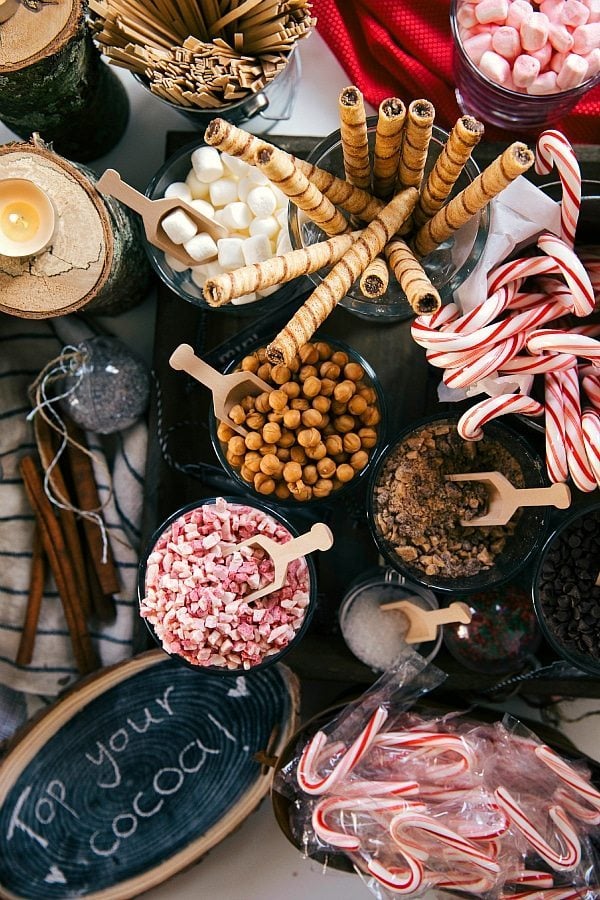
<point>580,469</point>
<point>532,877</point>
<point>516,270</point>
<point>460,847</point>
<point>539,364</point>
<point>307,777</point>
<point>470,424</point>
<point>380,788</point>
<point>572,271</point>
<point>591,385</point>
<point>568,775</point>
<point>395,879</point>
<point>556,340</point>
<point>470,883</point>
<point>565,799</point>
<point>365,804</point>
<point>556,438</point>
<point>486,365</point>
<point>430,745</point>
<point>563,893</point>
<point>560,861</point>
<point>553,149</point>
<point>590,427</point>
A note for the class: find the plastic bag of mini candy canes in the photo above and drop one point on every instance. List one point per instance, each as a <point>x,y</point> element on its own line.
<point>441,802</point>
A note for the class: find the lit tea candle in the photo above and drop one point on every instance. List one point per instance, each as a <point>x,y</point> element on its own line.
<point>7,9</point>
<point>26,218</point>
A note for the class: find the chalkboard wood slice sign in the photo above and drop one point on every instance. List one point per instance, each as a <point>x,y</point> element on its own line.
<point>134,775</point>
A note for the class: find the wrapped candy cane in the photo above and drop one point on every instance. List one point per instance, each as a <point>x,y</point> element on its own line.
<point>364,804</point>
<point>407,819</point>
<point>560,861</point>
<point>470,423</point>
<point>553,149</point>
<point>568,774</point>
<point>400,881</point>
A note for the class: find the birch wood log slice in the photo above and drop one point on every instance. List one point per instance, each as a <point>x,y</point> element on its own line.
<point>135,774</point>
<point>53,81</point>
<point>96,258</point>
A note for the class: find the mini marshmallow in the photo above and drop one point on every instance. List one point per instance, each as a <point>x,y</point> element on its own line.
<point>236,216</point>
<point>230,253</point>
<point>543,84</point>
<point>244,187</point>
<point>175,264</point>
<point>255,175</point>
<point>594,8</point>
<point>552,9</point>
<point>543,56</point>
<point>280,197</point>
<point>560,37</point>
<point>284,244</point>
<point>223,191</point>
<point>269,226</point>
<point>556,63</point>
<point>178,189</point>
<point>202,206</point>
<point>282,217</point>
<point>518,12</point>
<point>178,226</point>
<point>207,164</point>
<point>573,72</point>
<point>245,298</point>
<point>198,188</point>
<point>495,67</point>
<point>593,61</point>
<point>534,32</point>
<point>256,249</point>
<point>525,70</point>
<point>465,15</point>
<point>234,164</point>
<point>574,13</point>
<point>201,273</point>
<point>261,201</point>
<point>476,46</point>
<point>488,11</point>
<point>506,42</point>
<point>201,247</point>
<point>586,38</point>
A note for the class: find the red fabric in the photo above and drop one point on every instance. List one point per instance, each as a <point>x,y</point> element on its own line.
<point>403,48</point>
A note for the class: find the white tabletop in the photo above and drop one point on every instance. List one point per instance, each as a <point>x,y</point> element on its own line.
<point>257,862</point>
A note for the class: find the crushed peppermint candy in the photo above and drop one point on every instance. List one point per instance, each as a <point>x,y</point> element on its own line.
<point>195,587</point>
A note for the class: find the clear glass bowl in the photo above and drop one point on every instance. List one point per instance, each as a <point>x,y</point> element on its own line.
<point>520,547</point>
<point>447,266</point>
<point>268,510</point>
<point>554,603</point>
<point>176,168</point>
<point>478,96</point>
<point>359,478</point>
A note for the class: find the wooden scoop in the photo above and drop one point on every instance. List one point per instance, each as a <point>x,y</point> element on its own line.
<point>318,538</point>
<point>504,498</point>
<point>227,390</point>
<point>154,211</point>
<point>423,623</point>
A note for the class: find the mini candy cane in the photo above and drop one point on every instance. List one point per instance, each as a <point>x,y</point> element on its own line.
<point>572,270</point>
<point>425,743</point>
<point>307,777</point>
<point>470,423</point>
<point>556,439</point>
<point>568,775</point>
<point>399,881</point>
<point>580,469</point>
<point>342,839</point>
<point>561,862</point>
<point>531,876</point>
<point>471,884</point>
<point>462,848</point>
<point>590,427</point>
<point>553,149</point>
<point>576,809</point>
<point>380,788</point>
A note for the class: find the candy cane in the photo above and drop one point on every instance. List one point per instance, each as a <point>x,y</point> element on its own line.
<point>553,149</point>
<point>591,386</point>
<point>486,365</point>
<point>590,428</point>
<point>306,775</point>
<point>572,270</point>
<point>568,775</point>
<point>471,884</point>
<point>580,469</point>
<point>462,848</point>
<point>425,743</point>
<point>366,805</point>
<point>561,862</point>
<point>556,439</point>
<point>399,881</point>
<point>380,788</point>
<point>564,893</point>
<point>558,341</point>
<point>531,876</point>
<point>519,269</point>
<point>470,423</point>
<point>576,809</point>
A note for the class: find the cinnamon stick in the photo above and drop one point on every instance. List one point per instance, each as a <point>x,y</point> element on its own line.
<point>34,601</point>
<point>55,548</point>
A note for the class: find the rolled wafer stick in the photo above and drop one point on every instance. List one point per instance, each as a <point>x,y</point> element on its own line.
<point>335,285</point>
<point>353,132</point>
<point>515,160</point>
<point>415,143</point>
<point>282,171</point>
<point>463,138</point>
<point>388,140</point>
<point>420,293</point>
<point>375,279</point>
<point>240,143</point>
<point>221,289</point>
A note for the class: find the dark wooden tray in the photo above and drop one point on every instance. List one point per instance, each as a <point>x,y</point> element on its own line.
<point>179,440</point>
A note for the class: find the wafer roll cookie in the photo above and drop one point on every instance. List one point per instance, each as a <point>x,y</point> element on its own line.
<point>388,139</point>
<point>464,137</point>
<point>336,284</point>
<point>375,279</point>
<point>281,171</point>
<point>415,143</point>
<point>515,161</point>
<point>420,293</point>
<point>237,142</point>
<point>222,289</point>
<point>353,133</point>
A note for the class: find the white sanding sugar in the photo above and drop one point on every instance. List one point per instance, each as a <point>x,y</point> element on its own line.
<point>374,635</point>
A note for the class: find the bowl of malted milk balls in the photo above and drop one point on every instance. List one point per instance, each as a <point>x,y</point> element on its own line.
<point>237,196</point>
<point>313,437</point>
<point>415,513</point>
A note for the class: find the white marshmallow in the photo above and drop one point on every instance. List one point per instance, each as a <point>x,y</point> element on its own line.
<point>236,216</point>
<point>201,247</point>
<point>205,270</point>
<point>198,188</point>
<point>234,164</point>
<point>265,292</point>
<point>230,253</point>
<point>244,188</point>
<point>283,244</point>
<point>269,226</point>
<point>280,197</point>
<point>178,226</point>
<point>245,298</point>
<point>256,249</point>
<point>257,176</point>
<point>203,207</point>
<point>282,217</point>
<point>223,191</point>
<point>175,264</point>
<point>261,201</point>
<point>207,164</point>
<point>178,189</point>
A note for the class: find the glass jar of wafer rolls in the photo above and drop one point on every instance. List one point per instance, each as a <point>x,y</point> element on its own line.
<point>447,266</point>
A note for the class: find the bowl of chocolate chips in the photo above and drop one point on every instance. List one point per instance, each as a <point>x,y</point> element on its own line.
<point>415,512</point>
<point>566,589</point>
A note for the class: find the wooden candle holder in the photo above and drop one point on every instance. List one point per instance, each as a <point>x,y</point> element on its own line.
<point>95,260</point>
<point>55,82</point>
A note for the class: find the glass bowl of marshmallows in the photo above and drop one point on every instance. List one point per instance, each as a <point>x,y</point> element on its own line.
<point>237,196</point>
